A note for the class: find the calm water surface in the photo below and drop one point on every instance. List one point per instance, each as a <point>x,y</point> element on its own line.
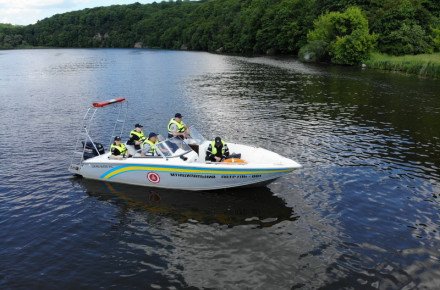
<point>362,213</point>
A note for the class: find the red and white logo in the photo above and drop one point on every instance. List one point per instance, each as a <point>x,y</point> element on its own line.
<point>153,177</point>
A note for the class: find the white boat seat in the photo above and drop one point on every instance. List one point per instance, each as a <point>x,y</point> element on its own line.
<point>202,151</point>
<point>131,150</point>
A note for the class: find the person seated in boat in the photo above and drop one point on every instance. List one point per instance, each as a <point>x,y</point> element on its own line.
<point>150,145</point>
<point>217,150</point>
<point>137,137</point>
<point>176,127</point>
<point>118,149</point>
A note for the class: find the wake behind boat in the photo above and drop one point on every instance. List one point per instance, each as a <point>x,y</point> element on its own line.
<point>181,163</point>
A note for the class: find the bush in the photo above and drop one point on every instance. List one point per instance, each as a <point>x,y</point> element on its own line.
<point>353,48</point>
<point>436,38</point>
<point>409,39</point>
<point>341,37</point>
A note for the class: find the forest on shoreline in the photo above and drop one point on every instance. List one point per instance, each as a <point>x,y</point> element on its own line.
<point>336,31</point>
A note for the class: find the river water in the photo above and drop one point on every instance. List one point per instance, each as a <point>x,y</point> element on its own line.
<point>363,212</point>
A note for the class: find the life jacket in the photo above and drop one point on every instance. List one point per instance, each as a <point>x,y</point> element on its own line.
<point>139,134</point>
<point>214,149</point>
<point>152,150</point>
<point>121,148</point>
<point>180,126</point>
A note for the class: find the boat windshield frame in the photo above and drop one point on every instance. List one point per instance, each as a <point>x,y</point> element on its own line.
<point>196,138</point>
<point>172,147</point>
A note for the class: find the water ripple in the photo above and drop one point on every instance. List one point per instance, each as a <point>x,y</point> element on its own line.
<point>362,213</point>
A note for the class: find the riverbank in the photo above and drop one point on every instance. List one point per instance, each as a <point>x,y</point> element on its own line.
<point>424,65</point>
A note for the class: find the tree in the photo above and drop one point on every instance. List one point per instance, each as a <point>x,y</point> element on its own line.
<point>342,37</point>
<point>408,39</point>
<point>397,20</point>
<point>336,32</point>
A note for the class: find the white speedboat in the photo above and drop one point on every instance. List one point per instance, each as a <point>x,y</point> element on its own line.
<point>180,165</point>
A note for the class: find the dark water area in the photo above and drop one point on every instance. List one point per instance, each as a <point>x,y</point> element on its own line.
<point>363,212</point>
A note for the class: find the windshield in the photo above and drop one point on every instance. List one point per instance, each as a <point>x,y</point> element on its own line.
<point>195,137</point>
<point>173,147</point>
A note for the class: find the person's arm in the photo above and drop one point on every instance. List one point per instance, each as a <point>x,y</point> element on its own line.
<point>136,140</point>
<point>174,131</point>
<point>132,140</point>
<point>209,155</point>
<point>226,154</point>
<point>146,149</point>
<point>115,152</point>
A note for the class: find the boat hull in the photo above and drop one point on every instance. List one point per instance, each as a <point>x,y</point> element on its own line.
<point>182,177</point>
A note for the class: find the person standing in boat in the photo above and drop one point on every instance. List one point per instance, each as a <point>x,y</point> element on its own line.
<point>217,150</point>
<point>150,145</point>
<point>118,149</point>
<point>137,137</point>
<point>176,127</point>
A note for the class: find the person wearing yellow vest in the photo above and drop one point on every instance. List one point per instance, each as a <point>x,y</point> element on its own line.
<point>176,127</point>
<point>150,145</point>
<point>137,137</point>
<point>217,150</point>
<point>118,148</point>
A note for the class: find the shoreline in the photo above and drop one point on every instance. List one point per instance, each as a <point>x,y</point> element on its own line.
<point>422,65</point>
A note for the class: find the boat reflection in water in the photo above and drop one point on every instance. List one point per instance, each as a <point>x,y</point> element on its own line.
<point>232,207</point>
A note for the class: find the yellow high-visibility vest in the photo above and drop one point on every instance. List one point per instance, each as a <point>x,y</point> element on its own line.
<point>181,127</point>
<point>152,146</point>
<point>121,148</point>
<point>214,149</point>
<point>139,134</point>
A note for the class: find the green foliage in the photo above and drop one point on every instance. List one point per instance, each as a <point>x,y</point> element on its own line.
<point>352,49</point>
<point>408,39</point>
<point>11,36</point>
<point>338,33</point>
<point>342,37</point>
<point>284,26</point>
<point>436,38</point>
<point>403,26</point>
<point>425,65</point>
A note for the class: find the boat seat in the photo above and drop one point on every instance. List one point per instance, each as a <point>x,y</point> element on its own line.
<point>131,150</point>
<point>202,151</point>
